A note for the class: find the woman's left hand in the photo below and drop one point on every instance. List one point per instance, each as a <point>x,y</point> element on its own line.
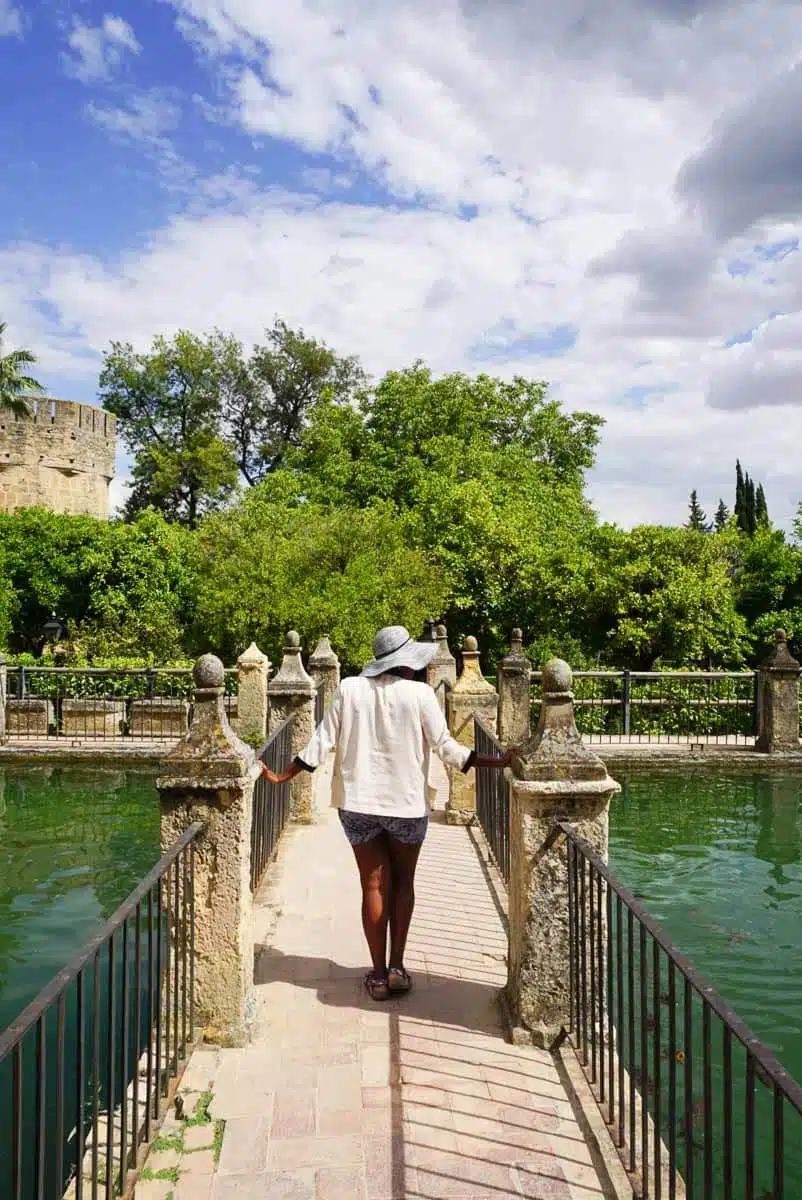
<point>269,775</point>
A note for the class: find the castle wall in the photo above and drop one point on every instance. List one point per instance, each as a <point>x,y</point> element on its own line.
<point>61,458</point>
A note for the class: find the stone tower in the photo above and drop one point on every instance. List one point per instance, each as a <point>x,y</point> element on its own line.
<point>60,457</point>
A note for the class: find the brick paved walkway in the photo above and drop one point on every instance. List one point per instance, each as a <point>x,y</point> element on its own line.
<point>343,1098</point>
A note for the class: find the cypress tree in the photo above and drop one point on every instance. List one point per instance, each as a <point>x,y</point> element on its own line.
<point>750,505</point>
<point>761,509</point>
<point>739,494</point>
<point>697,518</point>
<point>722,516</point>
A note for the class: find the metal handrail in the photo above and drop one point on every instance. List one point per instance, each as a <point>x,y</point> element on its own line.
<point>618,1057</point>
<point>271,803</point>
<point>122,1024</point>
<point>493,798</point>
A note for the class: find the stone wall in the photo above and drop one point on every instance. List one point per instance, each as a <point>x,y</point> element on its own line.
<point>60,458</point>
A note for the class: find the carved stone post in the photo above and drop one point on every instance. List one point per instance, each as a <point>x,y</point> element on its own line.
<point>443,667</point>
<point>324,668</point>
<point>208,777</point>
<point>471,696</point>
<point>3,696</point>
<point>253,672</point>
<point>778,727</point>
<point>554,777</point>
<point>514,700</point>
<point>292,694</point>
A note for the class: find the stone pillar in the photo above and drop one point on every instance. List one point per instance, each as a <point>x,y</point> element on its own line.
<point>514,699</point>
<point>292,694</point>
<point>209,777</point>
<point>555,776</point>
<point>3,696</point>
<point>471,696</point>
<point>324,668</point>
<point>253,672</point>
<point>443,667</point>
<point>778,727</point>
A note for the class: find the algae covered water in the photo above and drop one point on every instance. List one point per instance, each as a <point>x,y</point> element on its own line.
<point>74,842</point>
<point>717,861</point>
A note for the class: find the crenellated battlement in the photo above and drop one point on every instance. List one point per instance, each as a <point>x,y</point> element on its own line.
<point>59,457</point>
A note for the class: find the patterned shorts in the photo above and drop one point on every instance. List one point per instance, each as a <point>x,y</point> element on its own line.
<point>361,828</point>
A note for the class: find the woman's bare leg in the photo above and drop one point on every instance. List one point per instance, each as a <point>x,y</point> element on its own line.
<point>403,861</point>
<point>373,860</point>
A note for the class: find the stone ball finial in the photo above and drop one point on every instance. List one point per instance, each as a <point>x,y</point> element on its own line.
<point>441,633</point>
<point>780,635</point>
<point>209,672</point>
<point>557,676</point>
<point>470,645</point>
<point>292,641</point>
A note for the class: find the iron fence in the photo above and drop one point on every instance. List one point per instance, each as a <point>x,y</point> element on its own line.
<point>320,704</point>
<point>271,804</point>
<point>664,706</point>
<point>86,1067</point>
<point>98,703</point>
<point>493,799</point>
<point>696,1104</point>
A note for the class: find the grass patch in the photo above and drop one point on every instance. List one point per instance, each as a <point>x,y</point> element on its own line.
<point>170,1174</point>
<point>173,1142</point>
<point>219,1134</point>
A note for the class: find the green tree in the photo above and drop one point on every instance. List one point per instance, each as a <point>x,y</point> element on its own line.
<point>269,402</point>
<point>491,473</point>
<point>761,508</point>
<point>722,516</point>
<point>169,405</point>
<point>666,597</point>
<point>122,589</point>
<point>16,387</point>
<point>697,518</point>
<point>275,562</point>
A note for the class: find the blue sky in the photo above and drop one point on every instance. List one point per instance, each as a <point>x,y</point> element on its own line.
<point>610,204</point>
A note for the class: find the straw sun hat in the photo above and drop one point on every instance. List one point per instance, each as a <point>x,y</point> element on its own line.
<point>393,647</point>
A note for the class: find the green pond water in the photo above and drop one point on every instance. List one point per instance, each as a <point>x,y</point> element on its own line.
<point>717,861</point>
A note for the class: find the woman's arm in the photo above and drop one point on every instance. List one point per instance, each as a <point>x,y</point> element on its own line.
<point>484,760</point>
<point>291,771</point>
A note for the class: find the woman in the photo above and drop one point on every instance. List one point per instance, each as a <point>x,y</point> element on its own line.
<point>384,726</point>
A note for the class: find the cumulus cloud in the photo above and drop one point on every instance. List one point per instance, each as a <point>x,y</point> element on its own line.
<point>749,170</point>
<point>763,372</point>
<point>96,51</point>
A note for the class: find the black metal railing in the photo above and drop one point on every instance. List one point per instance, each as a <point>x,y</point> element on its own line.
<point>320,704</point>
<point>99,703</point>
<point>493,799</point>
<point>664,706</point>
<point>696,1104</point>
<point>86,1068</point>
<point>271,804</point>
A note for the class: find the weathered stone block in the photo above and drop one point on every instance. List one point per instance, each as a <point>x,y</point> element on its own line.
<point>90,717</point>
<point>778,719</point>
<point>160,717</point>
<point>31,717</point>
<point>292,694</point>
<point>253,670</point>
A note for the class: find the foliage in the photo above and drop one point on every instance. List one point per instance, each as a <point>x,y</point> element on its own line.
<point>275,562</point>
<point>121,588</point>
<point>666,597</point>
<point>15,385</point>
<point>277,391</point>
<point>751,511</point>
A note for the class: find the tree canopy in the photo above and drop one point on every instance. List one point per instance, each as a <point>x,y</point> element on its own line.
<point>16,385</point>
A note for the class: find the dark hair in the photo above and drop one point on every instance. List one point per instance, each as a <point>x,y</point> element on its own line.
<point>403,673</point>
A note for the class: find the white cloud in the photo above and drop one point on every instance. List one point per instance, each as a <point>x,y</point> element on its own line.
<point>96,51</point>
<point>566,126</point>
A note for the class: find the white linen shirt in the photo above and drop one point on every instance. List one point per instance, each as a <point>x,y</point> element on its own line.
<point>383,729</point>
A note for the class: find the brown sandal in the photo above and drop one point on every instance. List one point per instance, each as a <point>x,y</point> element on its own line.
<point>399,980</point>
<point>377,986</point>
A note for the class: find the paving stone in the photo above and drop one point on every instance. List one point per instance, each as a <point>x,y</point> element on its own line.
<point>161,1160</point>
<point>424,1097</point>
<point>153,1189</point>
<point>196,1137</point>
<point>197,1163</point>
<point>194,1187</point>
